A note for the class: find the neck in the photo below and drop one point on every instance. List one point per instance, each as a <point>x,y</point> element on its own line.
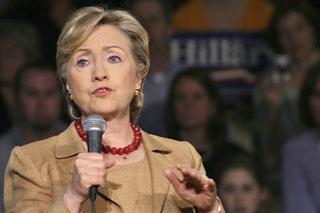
<point>197,137</point>
<point>118,133</point>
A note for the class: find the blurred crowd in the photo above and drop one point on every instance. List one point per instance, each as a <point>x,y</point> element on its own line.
<point>239,79</point>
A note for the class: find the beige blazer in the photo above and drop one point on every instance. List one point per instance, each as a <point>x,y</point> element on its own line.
<point>37,175</point>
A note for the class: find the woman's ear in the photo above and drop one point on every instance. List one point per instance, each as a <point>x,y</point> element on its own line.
<point>139,80</point>
<point>69,91</point>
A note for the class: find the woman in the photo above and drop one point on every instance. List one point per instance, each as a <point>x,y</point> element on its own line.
<point>295,30</point>
<point>102,60</point>
<point>194,111</point>
<point>301,155</point>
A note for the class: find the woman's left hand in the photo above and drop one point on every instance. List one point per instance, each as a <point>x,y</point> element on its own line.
<point>195,188</point>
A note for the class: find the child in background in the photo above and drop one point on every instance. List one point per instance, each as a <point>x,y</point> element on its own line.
<point>240,182</point>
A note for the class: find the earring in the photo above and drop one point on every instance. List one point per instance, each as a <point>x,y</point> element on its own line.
<point>137,92</point>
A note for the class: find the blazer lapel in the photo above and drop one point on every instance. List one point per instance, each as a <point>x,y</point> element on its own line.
<point>69,144</point>
<point>67,147</point>
<point>157,156</point>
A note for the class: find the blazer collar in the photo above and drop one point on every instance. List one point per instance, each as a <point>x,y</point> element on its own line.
<point>153,145</point>
<point>69,143</point>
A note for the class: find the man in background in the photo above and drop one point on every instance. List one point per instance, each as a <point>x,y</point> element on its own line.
<point>37,111</point>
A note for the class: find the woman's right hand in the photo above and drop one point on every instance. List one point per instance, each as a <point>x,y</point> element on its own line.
<point>89,169</point>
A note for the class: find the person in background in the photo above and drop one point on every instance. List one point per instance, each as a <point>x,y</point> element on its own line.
<point>295,31</point>
<point>155,16</point>
<point>301,154</point>
<point>38,107</point>
<point>47,17</point>
<point>102,61</point>
<point>240,180</point>
<point>15,50</point>
<point>236,28</point>
<point>295,28</point>
<point>194,111</point>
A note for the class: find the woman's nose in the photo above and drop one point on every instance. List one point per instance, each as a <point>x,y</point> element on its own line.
<point>100,73</point>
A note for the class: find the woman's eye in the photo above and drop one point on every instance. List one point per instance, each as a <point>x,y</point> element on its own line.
<point>82,62</point>
<point>114,59</point>
<point>179,97</point>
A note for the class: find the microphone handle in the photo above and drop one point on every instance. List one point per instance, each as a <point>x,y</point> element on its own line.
<point>94,140</point>
<point>94,145</point>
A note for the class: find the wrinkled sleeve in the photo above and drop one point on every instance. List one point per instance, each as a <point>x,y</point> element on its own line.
<point>27,187</point>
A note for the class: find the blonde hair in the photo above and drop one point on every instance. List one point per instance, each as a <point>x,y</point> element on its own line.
<point>77,29</point>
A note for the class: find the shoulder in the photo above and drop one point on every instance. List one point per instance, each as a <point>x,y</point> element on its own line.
<point>171,143</point>
<point>301,143</point>
<point>41,145</point>
<point>37,152</point>
<point>179,150</point>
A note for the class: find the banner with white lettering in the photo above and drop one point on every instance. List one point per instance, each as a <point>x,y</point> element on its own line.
<point>234,58</point>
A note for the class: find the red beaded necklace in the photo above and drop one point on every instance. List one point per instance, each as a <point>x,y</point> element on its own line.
<point>114,150</point>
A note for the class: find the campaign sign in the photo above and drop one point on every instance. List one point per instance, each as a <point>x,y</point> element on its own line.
<point>232,57</point>
<point>221,50</point>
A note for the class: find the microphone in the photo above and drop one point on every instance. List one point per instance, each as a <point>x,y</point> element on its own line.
<point>94,126</point>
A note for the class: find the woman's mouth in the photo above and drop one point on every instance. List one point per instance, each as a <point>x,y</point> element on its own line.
<point>102,91</point>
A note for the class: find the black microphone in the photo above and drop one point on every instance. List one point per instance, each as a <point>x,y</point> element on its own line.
<point>94,126</point>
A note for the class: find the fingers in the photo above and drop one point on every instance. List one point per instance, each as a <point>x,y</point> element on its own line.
<point>192,179</point>
<point>195,187</point>
<point>89,169</point>
<point>172,177</point>
<point>195,177</point>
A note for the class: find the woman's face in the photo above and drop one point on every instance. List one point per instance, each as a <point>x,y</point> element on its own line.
<point>296,35</point>
<point>192,104</point>
<point>102,74</point>
<point>240,192</point>
<point>315,103</point>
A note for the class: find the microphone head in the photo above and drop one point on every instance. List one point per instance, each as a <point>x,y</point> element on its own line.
<point>94,122</point>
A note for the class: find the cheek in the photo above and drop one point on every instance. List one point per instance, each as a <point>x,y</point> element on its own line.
<point>252,200</point>
<point>179,106</point>
<point>307,37</point>
<point>77,86</point>
<point>28,105</point>
<point>284,42</point>
<point>126,85</point>
<point>228,201</point>
<point>54,103</point>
